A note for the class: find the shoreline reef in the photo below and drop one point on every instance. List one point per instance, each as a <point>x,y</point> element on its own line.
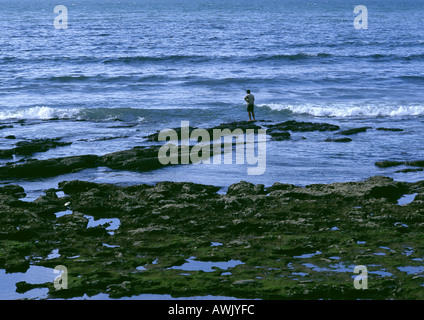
<point>278,242</point>
<point>145,158</point>
<point>281,242</point>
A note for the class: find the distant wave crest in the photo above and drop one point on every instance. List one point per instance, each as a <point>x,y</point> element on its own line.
<point>166,58</point>
<point>192,58</point>
<point>345,111</point>
<point>295,56</point>
<point>38,113</point>
<point>48,113</point>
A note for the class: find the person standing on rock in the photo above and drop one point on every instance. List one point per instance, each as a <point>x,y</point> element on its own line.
<point>250,99</point>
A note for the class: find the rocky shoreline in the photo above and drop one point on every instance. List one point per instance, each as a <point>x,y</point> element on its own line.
<point>277,242</point>
<point>290,242</point>
<point>145,158</point>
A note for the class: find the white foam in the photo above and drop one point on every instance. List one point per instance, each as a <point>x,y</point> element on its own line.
<point>39,113</point>
<point>347,111</point>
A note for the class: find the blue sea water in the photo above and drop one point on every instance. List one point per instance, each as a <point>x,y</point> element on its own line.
<point>124,69</point>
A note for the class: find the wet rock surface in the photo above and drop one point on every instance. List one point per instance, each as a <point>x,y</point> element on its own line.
<point>301,126</point>
<point>49,167</point>
<point>145,158</point>
<point>241,125</point>
<point>353,131</point>
<point>338,140</point>
<point>391,163</point>
<point>138,158</point>
<point>390,129</point>
<point>281,242</point>
<point>27,148</point>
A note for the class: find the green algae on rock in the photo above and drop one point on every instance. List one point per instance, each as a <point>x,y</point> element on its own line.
<point>27,148</point>
<point>281,242</point>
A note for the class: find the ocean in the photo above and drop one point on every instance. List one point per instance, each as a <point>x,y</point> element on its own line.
<point>125,69</point>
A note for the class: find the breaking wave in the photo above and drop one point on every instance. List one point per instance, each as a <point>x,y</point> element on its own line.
<point>38,113</point>
<point>48,113</point>
<point>344,111</point>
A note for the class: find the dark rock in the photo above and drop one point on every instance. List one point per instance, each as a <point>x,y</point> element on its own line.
<point>176,189</point>
<point>27,148</point>
<point>419,163</point>
<point>389,129</point>
<point>77,186</point>
<point>155,136</point>
<point>22,235</point>
<point>6,153</point>
<point>17,266</point>
<point>409,170</point>
<point>49,167</point>
<point>243,125</point>
<point>279,135</point>
<point>138,158</point>
<point>280,186</point>
<point>388,163</point>
<point>392,192</point>
<point>293,125</point>
<point>339,140</point>
<point>23,286</point>
<point>108,138</point>
<point>10,137</point>
<point>38,145</point>
<point>354,131</point>
<point>245,188</point>
<point>13,190</point>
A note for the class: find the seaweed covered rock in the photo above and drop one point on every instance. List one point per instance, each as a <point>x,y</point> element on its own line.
<point>224,127</point>
<point>186,239</point>
<point>394,163</point>
<point>293,125</point>
<point>49,167</point>
<point>338,140</point>
<point>27,148</point>
<point>245,188</point>
<point>353,131</point>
